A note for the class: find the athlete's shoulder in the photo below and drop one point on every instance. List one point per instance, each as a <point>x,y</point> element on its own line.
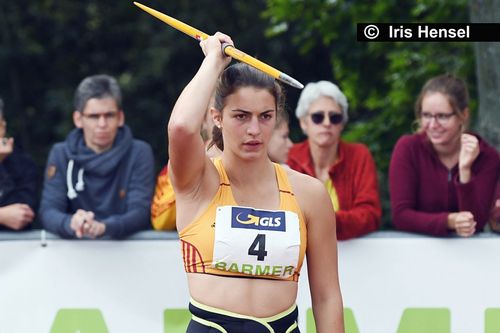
<point>311,194</point>
<point>302,184</point>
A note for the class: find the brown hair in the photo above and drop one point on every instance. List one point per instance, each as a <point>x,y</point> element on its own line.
<point>455,90</point>
<point>238,76</point>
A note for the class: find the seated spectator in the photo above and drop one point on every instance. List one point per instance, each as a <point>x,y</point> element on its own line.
<point>100,180</point>
<point>280,143</point>
<point>347,169</point>
<point>18,183</point>
<point>442,178</point>
<point>163,205</point>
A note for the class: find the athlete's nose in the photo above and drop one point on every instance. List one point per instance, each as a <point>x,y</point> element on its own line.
<point>253,127</point>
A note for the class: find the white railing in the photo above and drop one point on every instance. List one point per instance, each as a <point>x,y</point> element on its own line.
<point>132,282</point>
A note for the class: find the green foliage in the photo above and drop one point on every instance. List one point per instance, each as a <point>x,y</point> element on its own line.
<point>380,79</point>
<point>47,47</point>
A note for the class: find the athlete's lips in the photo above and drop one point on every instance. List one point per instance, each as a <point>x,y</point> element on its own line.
<point>252,145</point>
<point>252,142</point>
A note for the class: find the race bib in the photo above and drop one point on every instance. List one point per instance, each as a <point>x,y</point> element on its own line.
<point>256,242</point>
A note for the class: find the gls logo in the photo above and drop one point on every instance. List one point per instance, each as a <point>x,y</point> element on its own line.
<point>248,218</point>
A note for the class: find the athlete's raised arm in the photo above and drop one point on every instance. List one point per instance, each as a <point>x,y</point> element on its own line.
<point>186,148</point>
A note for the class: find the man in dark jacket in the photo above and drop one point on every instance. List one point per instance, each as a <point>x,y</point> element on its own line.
<point>18,183</point>
<point>100,180</point>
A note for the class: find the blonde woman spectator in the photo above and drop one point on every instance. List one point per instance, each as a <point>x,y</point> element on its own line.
<point>442,178</point>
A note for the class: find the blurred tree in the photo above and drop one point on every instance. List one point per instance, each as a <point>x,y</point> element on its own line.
<point>380,79</point>
<point>488,72</point>
<point>47,47</point>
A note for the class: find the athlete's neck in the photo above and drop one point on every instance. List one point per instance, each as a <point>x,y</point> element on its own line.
<point>243,173</point>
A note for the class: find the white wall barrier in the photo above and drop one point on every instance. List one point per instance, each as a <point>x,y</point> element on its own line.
<point>133,282</point>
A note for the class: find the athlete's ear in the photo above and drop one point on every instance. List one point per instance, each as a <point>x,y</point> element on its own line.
<point>216,116</point>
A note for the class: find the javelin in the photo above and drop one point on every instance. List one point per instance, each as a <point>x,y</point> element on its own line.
<point>229,50</point>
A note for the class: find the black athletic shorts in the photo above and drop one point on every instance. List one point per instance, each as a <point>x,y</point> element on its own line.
<point>207,319</point>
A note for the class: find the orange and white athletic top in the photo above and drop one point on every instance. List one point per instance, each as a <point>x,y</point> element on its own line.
<point>230,240</point>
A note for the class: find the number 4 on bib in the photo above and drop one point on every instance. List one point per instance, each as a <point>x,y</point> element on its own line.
<point>258,247</point>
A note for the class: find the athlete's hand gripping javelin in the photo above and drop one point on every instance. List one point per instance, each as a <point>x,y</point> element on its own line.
<point>212,46</point>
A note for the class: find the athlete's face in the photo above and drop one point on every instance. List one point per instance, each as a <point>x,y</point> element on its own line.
<point>248,121</point>
<point>323,133</point>
<point>100,120</point>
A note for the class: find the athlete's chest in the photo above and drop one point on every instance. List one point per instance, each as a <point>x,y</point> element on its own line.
<point>256,241</point>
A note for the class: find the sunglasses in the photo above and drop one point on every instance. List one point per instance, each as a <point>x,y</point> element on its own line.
<point>319,116</point>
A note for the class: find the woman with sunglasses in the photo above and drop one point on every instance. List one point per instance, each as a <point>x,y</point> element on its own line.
<point>245,223</point>
<point>442,179</point>
<point>347,169</point>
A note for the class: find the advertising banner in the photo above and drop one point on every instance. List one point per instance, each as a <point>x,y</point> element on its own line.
<point>391,282</point>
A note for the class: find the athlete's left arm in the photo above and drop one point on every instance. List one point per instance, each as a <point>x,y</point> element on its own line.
<point>321,256</point>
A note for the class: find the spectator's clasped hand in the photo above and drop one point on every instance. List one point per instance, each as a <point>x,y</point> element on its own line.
<point>463,223</point>
<point>84,225</point>
<point>16,216</point>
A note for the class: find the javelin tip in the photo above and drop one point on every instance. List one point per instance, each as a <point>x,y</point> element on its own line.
<point>290,81</point>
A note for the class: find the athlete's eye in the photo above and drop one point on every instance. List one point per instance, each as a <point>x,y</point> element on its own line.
<point>267,116</point>
<point>240,116</point>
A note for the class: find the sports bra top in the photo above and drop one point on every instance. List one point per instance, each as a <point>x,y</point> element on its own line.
<point>231,240</point>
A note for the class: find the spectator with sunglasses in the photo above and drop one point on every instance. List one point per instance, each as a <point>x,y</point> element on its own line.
<point>347,169</point>
<point>442,179</point>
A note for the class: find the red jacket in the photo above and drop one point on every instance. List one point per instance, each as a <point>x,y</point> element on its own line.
<point>354,176</point>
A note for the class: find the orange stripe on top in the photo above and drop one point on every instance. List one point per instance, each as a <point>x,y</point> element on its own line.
<point>191,258</point>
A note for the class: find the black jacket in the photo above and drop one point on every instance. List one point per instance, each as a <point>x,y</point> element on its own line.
<point>19,180</point>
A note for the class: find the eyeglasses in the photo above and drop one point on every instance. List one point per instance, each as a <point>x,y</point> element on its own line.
<point>319,116</point>
<point>441,118</point>
<point>94,117</point>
